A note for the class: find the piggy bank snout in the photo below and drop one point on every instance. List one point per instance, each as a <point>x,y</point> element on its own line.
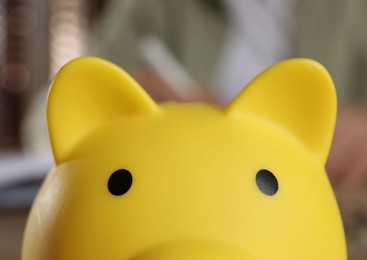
<point>194,250</point>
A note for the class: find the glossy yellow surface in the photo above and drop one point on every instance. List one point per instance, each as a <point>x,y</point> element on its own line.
<point>194,193</point>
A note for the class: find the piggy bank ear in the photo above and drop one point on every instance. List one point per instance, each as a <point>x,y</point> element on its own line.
<point>88,92</point>
<point>297,95</point>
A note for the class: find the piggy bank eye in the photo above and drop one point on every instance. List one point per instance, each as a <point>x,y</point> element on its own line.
<point>120,182</point>
<point>267,182</point>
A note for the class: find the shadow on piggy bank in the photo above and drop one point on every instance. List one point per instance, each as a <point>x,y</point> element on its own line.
<point>138,180</point>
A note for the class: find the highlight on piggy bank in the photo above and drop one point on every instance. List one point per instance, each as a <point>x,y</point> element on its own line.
<point>134,179</point>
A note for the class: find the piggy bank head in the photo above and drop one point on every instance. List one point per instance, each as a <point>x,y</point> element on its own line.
<point>138,180</point>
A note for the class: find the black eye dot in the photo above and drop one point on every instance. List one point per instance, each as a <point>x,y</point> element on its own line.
<point>267,182</point>
<point>120,182</point>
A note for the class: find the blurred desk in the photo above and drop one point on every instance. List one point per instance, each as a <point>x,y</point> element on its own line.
<point>12,223</point>
<point>353,207</point>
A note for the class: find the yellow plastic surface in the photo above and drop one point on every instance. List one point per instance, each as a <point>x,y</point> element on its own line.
<point>194,193</point>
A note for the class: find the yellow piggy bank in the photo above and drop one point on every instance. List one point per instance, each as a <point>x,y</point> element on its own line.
<point>138,180</point>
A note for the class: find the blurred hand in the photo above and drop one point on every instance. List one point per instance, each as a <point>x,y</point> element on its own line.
<point>347,163</point>
<point>156,87</point>
<point>160,91</point>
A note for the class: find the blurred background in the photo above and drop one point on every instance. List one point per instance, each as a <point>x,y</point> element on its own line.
<point>194,50</point>
<point>36,38</point>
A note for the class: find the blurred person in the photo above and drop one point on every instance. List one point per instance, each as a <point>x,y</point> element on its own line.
<point>219,43</point>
